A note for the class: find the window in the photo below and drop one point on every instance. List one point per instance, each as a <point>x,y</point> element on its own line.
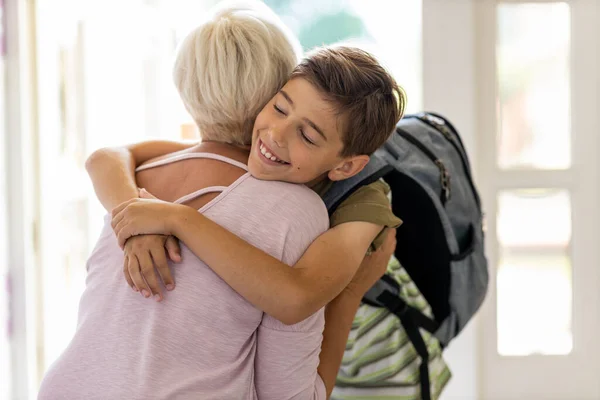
<point>533,226</point>
<point>533,84</point>
<point>539,79</point>
<point>534,272</point>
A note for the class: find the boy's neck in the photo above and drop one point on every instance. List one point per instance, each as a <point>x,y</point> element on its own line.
<point>320,185</point>
<point>318,181</point>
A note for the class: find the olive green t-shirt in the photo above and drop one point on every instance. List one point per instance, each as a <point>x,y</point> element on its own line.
<point>370,203</point>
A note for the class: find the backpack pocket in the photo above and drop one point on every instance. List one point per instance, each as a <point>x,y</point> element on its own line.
<point>468,286</point>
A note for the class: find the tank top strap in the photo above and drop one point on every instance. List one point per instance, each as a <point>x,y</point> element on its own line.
<point>200,192</point>
<point>187,156</point>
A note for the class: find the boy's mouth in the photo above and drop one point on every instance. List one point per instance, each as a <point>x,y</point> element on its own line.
<point>267,155</point>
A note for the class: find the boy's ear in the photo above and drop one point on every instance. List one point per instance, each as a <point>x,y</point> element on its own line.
<point>348,168</point>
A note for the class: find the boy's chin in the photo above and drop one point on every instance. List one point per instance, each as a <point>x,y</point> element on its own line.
<point>258,172</point>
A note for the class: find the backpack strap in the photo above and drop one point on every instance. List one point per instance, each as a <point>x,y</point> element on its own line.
<point>341,190</point>
<point>385,293</point>
<point>412,331</point>
<point>412,319</point>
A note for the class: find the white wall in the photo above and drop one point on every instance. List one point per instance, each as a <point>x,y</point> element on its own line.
<point>17,163</point>
<point>4,327</point>
<point>449,88</point>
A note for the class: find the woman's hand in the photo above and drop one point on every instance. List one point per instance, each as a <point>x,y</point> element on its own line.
<point>144,216</point>
<point>373,266</point>
<point>144,254</point>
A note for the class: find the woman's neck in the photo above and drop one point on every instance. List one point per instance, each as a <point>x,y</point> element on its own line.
<point>238,153</point>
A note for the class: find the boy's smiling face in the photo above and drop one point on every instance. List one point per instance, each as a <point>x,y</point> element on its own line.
<point>297,138</point>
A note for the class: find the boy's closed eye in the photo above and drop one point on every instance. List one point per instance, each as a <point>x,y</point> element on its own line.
<point>278,109</point>
<point>301,131</point>
<point>306,138</point>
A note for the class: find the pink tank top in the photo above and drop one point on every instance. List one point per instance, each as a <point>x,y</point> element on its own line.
<point>203,341</point>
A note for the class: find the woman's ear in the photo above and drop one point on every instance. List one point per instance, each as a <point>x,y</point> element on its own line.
<point>348,167</point>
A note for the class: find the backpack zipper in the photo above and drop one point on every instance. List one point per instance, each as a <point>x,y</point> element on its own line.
<point>440,125</point>
<point>444,174</point>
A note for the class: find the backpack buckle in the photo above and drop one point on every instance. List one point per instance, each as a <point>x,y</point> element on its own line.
<point>393,303</point>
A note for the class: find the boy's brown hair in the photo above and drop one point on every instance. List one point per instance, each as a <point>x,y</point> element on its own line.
<point>366,96</point>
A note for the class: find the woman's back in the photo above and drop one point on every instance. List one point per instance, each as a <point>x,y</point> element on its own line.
<point>200,341</point>
<point>174,180</point>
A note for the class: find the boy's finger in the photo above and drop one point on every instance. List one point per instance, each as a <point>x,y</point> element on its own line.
<point>123,232</point>
<point>121,206</point>
<point>160,260</point>
<point>147,269</point>
<point>116,218</point>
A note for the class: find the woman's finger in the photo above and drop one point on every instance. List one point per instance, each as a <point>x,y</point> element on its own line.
<point>148,274</point>
<point>173,249</point>
<point>162,266</point>
<point>126,273</point>
<point>389,244</point>
<point>136,276</point>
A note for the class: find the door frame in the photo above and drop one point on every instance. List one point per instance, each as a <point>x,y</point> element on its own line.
<point>532,376</point>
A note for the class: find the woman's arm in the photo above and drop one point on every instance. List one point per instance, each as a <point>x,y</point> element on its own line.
<point>112,169</point>
<point>288,294</point>
<point>339,314</point>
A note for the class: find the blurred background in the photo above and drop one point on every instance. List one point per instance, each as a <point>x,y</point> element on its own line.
<point>519,79</point>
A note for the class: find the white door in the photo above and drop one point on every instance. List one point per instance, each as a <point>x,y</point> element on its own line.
<point>538,123</point>
<point>94,62</point>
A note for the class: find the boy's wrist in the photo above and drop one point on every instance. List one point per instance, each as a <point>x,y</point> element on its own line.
<point>177,219</point>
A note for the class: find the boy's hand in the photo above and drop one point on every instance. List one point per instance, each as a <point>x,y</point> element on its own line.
<point>145,253</point>
<point>143,216</point>
<point>373,266</point>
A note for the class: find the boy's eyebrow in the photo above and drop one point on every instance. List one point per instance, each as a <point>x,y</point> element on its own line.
<point>287,97</point>
<point>308,121</point>
<point>315,127</point>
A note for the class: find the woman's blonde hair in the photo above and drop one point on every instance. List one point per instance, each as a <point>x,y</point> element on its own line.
<point>229,67</point>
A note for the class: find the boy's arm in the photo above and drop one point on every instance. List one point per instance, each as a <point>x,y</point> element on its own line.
<point>288,294</point>
<point>112,169</point>
<point>288,362</point>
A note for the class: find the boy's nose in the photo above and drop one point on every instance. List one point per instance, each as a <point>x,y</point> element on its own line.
<point>277,136</point>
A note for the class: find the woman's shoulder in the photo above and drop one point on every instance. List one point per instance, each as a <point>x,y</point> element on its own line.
<point>286,190</point>
<point>296,201</point>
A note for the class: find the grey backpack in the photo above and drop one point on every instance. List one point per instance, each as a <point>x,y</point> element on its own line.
<point>440,243</point>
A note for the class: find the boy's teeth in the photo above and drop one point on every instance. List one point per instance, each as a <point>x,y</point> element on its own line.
<point>268,155</point>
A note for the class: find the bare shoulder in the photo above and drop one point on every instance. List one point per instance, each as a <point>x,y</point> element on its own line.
<point>159,150</point>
